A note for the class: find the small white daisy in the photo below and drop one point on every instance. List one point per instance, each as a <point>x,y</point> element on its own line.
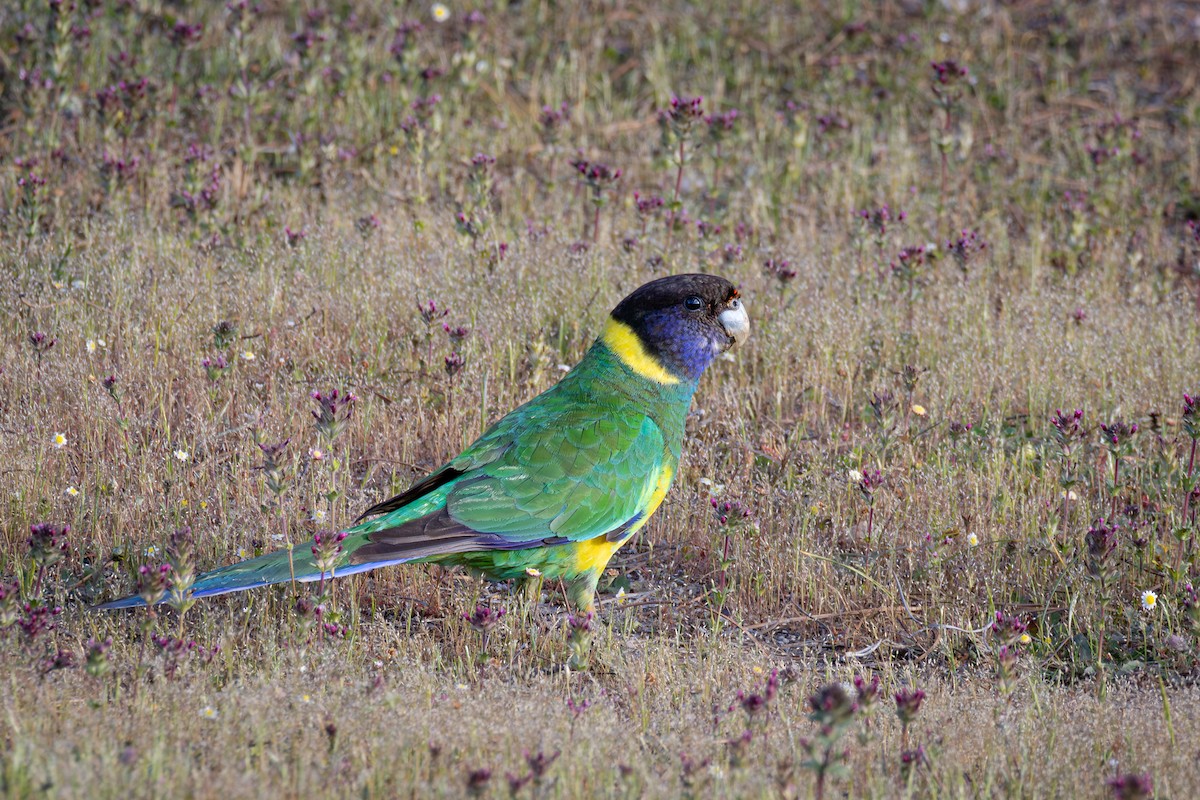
<point>919,410</point>
<point>855,476</point>
<point>71,491</point>
<point>151,551</point>
<point>182,455</point>
<point>316,454</point>
<point>91,346</point>
<point>248,355</point>
<point>972,540</point>
<point>440,12</point>
<point>244,552</point>
<point>59,441</point>
<point>208,712</point>
<point>1149,599</point>
<point>319,515</point>
<point>621,599</point>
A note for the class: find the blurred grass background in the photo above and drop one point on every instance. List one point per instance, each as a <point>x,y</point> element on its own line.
<point>213,211</point>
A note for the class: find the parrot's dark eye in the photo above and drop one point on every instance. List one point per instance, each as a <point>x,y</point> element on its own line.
<point>693,303</point>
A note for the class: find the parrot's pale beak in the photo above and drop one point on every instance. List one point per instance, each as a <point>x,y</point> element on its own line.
<point>735,321</point>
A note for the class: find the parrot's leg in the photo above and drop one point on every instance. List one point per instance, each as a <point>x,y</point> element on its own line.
<point>581,591</point>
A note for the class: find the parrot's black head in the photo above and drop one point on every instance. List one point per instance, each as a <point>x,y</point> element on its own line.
<point>672,328</point>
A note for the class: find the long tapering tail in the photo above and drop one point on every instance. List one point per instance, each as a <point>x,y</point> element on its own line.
<point>414,526</point>
<point>265,570</point>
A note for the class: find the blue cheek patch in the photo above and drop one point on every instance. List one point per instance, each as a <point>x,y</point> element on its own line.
<point>684,346</point>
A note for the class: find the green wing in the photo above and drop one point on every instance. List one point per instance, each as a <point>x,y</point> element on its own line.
<point>579,479</point>
<point>548,473</point>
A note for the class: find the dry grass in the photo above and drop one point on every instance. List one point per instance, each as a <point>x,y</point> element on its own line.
<point>271,733</point>
<point>1086,300</point>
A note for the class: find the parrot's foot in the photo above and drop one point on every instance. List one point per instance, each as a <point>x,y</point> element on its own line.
<point>580,639</point>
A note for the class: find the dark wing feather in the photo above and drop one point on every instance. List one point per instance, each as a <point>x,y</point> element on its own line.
<point>414,492</point>
<point>435,534</point>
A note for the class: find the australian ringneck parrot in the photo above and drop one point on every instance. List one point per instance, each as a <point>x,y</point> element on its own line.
<point>559,484</point>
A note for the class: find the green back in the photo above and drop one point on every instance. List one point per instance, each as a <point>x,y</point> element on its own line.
<point>576,462</point>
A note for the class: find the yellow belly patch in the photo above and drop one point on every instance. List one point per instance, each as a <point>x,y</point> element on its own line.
<point>594,554</point>
<point>626,345</point>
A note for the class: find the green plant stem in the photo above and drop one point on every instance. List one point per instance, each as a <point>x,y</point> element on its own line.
<point>1187,501</point>
<point>1116,475</point>
<point>596,216</point>
<point>675,197</point>
<point>1101,677</point>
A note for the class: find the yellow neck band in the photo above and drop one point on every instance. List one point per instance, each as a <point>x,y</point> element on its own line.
<point>626,345</point>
